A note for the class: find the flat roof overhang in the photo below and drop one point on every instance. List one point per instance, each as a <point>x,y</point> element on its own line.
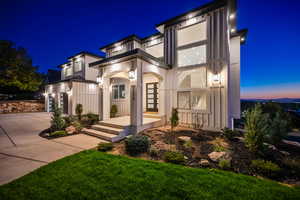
<point>241,33</point>
<point>129,55</point>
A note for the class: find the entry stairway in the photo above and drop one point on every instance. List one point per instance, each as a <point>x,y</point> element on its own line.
<point>106,131</point>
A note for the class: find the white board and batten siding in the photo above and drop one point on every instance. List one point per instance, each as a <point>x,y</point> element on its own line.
<point>86,94</point>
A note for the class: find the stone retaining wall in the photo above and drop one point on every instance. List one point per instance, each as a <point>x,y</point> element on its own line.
<point>21,106</point>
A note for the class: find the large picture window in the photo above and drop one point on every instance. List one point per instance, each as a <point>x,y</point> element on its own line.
<point>191,45</point>
<point>118,91</point>
<point>192,100</point>
<point>192,56</point>
<point>68,71</point>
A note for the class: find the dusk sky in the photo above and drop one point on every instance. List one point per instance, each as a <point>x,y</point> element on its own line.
<point>53,30</point>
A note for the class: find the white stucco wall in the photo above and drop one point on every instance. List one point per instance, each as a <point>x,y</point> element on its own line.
<point>90,72</point>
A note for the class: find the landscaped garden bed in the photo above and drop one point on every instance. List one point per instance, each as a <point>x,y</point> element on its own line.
<point>259,151</point>
<point>95,175</point>
<point>62,126</point>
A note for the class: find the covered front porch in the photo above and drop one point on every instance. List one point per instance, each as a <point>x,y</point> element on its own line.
<point>135,84</point>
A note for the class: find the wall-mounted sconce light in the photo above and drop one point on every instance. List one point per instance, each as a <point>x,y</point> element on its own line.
<point>53,95</point>
<point>131,74</point>
<point>99,80</point>
<point>233,30</point>
<point>232,16</point>
<point>69,92</point>
<point>216,78</point>
<point>45,94</point>
<point>242,39</point>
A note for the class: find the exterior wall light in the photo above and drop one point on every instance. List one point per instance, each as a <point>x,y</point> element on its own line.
<point>69,92</point>
<point>242,39</point>
<point>53,95</point>
<point>216,78</point>
<point>232,16</point>
<point>131,74</point>
<point>99,80</point>
<point>45,94</point>
<point>233,30</point>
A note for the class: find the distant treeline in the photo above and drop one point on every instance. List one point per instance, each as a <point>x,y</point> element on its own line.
<point>286,106</point>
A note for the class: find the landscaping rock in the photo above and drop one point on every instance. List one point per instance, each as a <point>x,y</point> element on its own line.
<point>184,139</point>
<point>161,146</point>
<point>270,146</point>
<point>70,129</point>
<point>285,153</point>
<point>204,163</point>
<point>217,156</point>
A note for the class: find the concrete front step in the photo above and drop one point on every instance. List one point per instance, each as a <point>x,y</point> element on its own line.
<point>107,129</point>
<point>99,134</point>
<point>101,123</point>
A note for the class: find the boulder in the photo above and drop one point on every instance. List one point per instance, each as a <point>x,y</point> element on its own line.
<point>161,145</point>
<point>285,153</point>
<point>70,129</point>
<point>204,163</point>
<point>217,156</point>
<point>184,139</point>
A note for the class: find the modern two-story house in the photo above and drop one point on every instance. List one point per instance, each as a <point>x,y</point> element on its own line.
<point>192,63</point>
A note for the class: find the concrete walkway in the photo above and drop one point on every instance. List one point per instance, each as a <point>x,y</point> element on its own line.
<point>22,150</point>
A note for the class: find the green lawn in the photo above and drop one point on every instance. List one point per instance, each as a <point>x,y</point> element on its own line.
<point>95,175</point>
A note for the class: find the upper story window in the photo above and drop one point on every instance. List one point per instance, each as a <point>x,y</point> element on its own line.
<point>68,70</point>
<point>191,45</point>
<point>78,65</point>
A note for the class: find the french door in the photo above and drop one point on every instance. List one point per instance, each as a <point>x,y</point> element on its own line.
<point>152,97</point>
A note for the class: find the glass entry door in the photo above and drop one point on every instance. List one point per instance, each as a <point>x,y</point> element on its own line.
<point>152,97</point>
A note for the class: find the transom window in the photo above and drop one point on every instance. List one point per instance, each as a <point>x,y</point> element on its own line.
<point>118,91</point>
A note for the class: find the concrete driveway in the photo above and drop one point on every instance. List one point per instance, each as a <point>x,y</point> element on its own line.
<point>22,149</point>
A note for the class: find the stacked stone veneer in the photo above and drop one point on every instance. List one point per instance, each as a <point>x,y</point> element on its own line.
<point>21,106</point>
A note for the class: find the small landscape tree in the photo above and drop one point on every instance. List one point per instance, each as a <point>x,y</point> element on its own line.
<point>174,119</point>
<point>57,121</point>
<point>78,111</point>
<point>256,127</point>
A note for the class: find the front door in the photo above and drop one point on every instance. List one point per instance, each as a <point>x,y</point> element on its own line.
<point>152,97</point>
<point>64,102</point>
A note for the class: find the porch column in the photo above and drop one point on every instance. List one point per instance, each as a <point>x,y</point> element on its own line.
<point>106,98</point>
<point>136,99</point>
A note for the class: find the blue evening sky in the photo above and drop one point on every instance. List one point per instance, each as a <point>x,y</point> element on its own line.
<point>53,30</point>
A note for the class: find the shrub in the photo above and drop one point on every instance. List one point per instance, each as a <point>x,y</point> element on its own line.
<point>92,118</point>
<point>69,119</point>
<point>219,148</point>
<point>256,127</point>
<point>174,157</point>
<point>228,133</point>
<point>113,110</point>
<point>265,167</point>
<point>58,133</point>
<point>105,147</point>
<point>292,164</point>
<point>77,126</point>
<point>154,152</point>
<point>79,110</point>
<point>278,129</point>
<point>225,164</point>
<point>137,144</point>
<point>188,144</point>
<point>57,122</point>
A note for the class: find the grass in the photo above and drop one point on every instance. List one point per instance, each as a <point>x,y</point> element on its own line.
<point>96,175</point>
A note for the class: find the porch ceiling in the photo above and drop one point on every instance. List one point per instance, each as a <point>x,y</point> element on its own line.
<point>136,53</point>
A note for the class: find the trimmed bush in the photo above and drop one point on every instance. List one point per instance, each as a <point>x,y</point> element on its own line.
<point>228,133</point>
<point>92,118</point>
<point>174,157</point>
<point>69,119</point>
<point>263,167</point>
<point>105,147</point>
<point>77,126</point>
<point>224,164</point>
<point>113,110</point>
<point>137,144</point>
<point>58,133</point>
<point>79,110</point>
